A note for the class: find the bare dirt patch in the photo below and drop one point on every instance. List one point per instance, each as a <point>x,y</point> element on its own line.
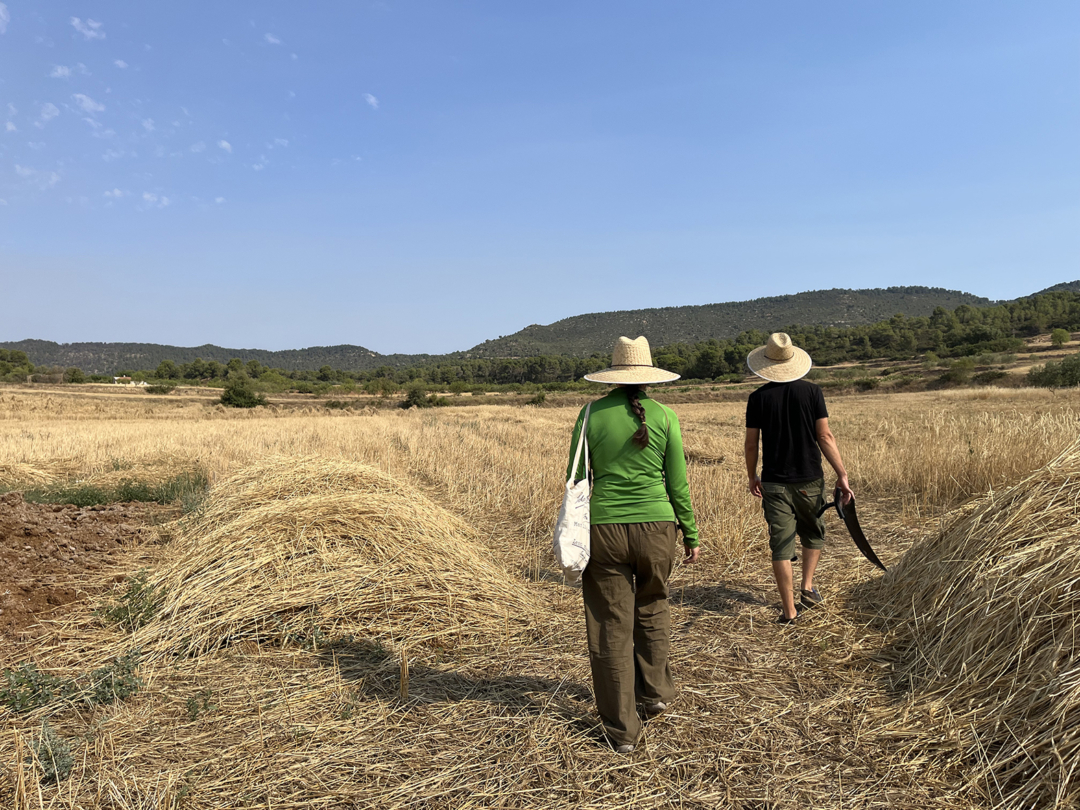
<point>50,553</point>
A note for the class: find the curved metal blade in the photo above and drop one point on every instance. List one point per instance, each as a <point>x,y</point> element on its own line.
<point>851,520</point>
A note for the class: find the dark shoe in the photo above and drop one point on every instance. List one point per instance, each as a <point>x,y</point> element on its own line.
<point>810,598</point>
<point>785,620</point>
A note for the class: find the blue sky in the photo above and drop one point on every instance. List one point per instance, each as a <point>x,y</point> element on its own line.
<point>422,176</point>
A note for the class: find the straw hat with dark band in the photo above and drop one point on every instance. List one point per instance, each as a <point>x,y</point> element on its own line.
<point>631,364</point>
<point>778,360</point>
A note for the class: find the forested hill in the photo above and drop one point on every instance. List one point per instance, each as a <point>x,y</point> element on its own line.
<point>582,335</point>
<point>1065,286</point>
<point>109,358</point>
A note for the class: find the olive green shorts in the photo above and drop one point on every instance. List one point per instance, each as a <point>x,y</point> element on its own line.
<point>792,509</point>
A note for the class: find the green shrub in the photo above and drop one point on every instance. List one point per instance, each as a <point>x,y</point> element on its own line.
<point>867,383</point>
<point>416,396</point>
<point>955,376</point>
<point>160,388</point>
<point>1059,337</point>
<point>239,394</point>
<point>26,688</point>
<point>136,606</point>
<point>199,703</point>
<point>1064,374</point>
<point>184,487</point>
<point>53,754</point>
<point>115,681</point>
<point>537,400</point>
<point>337,404</point>
<point>989,377</point>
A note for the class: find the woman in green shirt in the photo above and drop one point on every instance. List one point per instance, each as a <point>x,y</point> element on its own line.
<point>639,499</point>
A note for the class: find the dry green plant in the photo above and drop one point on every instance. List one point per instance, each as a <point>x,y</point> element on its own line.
<point>52,754</point>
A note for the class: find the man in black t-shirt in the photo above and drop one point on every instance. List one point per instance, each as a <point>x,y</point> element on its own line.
<point>789,417</point>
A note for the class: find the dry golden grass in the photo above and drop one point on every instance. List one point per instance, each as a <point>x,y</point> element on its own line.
<point>432,708</point>
<point>987,619</point>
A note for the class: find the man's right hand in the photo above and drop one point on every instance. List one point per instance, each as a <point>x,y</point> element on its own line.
<point>845,490</point>
<point>755,487</point>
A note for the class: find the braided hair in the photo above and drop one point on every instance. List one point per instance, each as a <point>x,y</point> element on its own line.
<point>641,436</point>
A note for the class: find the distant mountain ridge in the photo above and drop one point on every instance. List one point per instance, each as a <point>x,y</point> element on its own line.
<point>108,358</point>
<point>1065,286</point>
<point>581,335</point>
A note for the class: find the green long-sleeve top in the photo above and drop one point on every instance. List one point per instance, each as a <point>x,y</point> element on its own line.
<point>632,484</point>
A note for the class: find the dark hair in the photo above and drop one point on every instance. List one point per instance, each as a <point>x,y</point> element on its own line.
<point>641,437</point>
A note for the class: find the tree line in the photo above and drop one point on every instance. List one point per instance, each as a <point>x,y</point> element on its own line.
<point>965,331</point>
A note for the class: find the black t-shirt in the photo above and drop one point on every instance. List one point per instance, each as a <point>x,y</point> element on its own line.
<point>786,414</point>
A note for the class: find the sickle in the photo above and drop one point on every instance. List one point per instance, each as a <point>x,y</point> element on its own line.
<point>851,520</point>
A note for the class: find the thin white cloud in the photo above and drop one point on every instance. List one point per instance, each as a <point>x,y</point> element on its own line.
<point>60,72</point>
<point>281,142</point>
<point>294,56</point>
<point>155,200</point>
<point>99,129</point>
<point>219,200</point>
<point>5,18</point>
<point>3,202</point>
<point>87,104</point>
<point>115,193</point>
<point>112,154</point>
<point>148,124</point>
<point>43,180</point>
<point>83,69</point>
<point>370,99</point>
<point>35,145</point>
<point>48,113</point>
<point>120,63</point>
<point>10,127</point>
<point>91,29</point>
<point>270,38</point>
<point>258,166</point>
<point>11,109</point>
<point>198,147</point>
<point>226,146</point>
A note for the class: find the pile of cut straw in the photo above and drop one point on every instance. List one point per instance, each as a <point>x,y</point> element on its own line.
<point>988,617</point>
<point>316,548</point>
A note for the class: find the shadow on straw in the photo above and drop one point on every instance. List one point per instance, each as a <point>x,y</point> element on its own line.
<point>376,672</point>
<point>716,598</point>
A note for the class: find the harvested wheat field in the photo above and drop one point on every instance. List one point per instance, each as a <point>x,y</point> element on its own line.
<point>985,621</point>
<point>363,612</point>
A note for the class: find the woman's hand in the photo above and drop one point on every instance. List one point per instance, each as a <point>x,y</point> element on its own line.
<point>692,554</point>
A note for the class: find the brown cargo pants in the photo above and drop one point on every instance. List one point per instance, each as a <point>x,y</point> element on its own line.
<point>628,622</point>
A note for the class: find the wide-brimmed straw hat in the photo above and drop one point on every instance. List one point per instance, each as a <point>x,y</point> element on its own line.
<point>631,364</point>
<point>779,360</point>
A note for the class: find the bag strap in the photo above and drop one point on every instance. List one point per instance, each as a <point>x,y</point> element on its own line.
<point>581,441</point>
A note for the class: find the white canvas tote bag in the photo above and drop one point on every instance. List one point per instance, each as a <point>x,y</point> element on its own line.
<point>571,542</point>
